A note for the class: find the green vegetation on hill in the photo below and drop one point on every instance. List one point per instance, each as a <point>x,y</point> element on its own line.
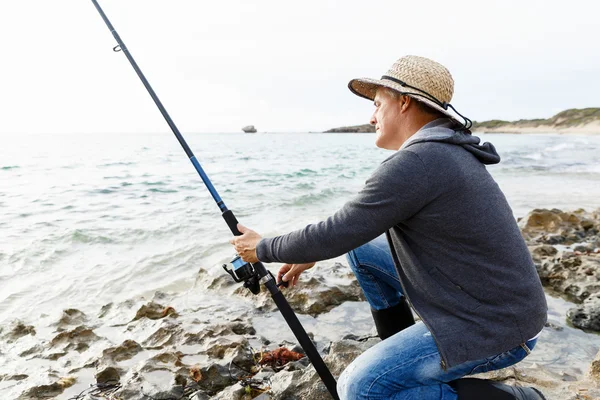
<point>564,119</point>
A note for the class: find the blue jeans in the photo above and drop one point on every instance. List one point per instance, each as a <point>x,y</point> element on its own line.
<point>406,365</point>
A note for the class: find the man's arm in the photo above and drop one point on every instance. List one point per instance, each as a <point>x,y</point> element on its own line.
<point>396,191</point>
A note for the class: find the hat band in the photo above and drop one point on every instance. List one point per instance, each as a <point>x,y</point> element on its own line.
<point>442,104</point>
<point>467,124</point>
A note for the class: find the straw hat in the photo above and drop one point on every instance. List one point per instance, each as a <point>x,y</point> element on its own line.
<point>419,77</point>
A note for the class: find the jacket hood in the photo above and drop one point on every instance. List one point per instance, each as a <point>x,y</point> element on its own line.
<point>443,130</point>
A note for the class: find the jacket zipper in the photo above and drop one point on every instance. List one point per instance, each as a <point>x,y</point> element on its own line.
<point>443,362</point>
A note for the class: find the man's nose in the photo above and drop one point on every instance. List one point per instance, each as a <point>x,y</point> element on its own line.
<point>373,120</point>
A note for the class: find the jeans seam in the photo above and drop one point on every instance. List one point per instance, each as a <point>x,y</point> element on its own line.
<point>381,270</point>
<point>374,281</point>
<point>397,367</point>
<point>380,291</point>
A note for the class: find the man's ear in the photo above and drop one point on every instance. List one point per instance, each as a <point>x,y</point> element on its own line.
<point>405,103</point>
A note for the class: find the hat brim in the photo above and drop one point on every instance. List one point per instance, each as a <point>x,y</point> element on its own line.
<point>367,88</point>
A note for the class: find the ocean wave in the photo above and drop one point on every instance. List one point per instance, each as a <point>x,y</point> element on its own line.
<point>157,183</point>
<point>112,164</point>
<point>156,190</point>
<point>9,167</point>
<point>311,198</point>
<point>301,173</point>
<point>83,236</point>
<point>559,147</point>
<point>103,191</point>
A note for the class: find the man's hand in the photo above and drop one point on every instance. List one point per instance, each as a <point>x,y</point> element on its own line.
<point>245,245</point>
<point>292,272</point>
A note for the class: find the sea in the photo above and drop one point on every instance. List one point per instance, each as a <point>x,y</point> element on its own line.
<point>92,219</point>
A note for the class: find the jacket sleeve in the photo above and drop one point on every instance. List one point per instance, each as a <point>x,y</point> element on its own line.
<point>396,191</point>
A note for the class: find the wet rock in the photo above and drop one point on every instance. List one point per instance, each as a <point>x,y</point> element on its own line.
<point>38,348</point>
<point>576,276</point>
<point>555,226</point>
<point>105,310</point>
<point>107,374</point>
<point>539,252</point>
<point>159,384</point>
<point>306,384</point>
<point>552,385</point>
<point>221,282</point>
<point>125,351</point>
<point>315,294</point>
<point>163,361</point>
<point>214,378</point>
<point>55,356</point>
<point>154,311</point>
<point>595,369</point>
<point>78,339</point>
<point>234,392</point>
<point>15,377</point>
<point>18,330</point>
<point>165,335</point>
<point>555,327</point>
<point>343,352</point>
<point>70,317</point>
<point>587,315</point>
<point>235,328</point>
<point>48,391</point>
<point>199,395</point>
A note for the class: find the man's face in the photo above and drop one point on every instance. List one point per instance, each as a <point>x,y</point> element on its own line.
<point>387,120</point>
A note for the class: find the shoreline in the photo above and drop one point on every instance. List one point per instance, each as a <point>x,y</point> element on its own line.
<point>591,129</point>
<point>158,346</point>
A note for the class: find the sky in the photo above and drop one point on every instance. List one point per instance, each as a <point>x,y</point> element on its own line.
<point>283,66</point>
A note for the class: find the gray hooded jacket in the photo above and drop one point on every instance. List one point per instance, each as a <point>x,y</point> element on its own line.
<point>460,256</point>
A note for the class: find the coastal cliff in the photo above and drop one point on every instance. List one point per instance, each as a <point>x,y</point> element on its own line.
<point>366,128</point>
<point>585,120</point>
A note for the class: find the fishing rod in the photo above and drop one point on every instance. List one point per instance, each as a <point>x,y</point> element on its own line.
<point>251,274</point>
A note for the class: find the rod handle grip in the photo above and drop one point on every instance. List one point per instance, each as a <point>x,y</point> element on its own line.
<point>232,222</point>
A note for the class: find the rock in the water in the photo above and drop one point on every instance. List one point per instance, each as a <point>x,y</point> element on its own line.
<point>18,330</point>
<point>154,311</point>
<point>595,369</point>
<point>576,276</point>
<point>538,252</point>
<point>48,391</point>
<point>587,315</point>
<point>555,226</point>
<point>214,378</point>
<point>78,339</point>
<point>125,351</point>
<point>70,317</point>
<point>167,334</point>
<point>315,294</point>
<point>249,129</point>
<point>107,374</point>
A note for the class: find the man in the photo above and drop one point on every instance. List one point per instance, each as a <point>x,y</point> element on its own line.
<point>453,250</point>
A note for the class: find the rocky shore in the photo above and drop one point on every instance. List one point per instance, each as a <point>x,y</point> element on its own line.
<point>157,348</point>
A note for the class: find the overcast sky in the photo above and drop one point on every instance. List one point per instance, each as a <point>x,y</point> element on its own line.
<point>283,65</point>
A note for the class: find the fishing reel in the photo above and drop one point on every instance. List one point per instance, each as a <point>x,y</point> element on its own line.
<point>243,272</point>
